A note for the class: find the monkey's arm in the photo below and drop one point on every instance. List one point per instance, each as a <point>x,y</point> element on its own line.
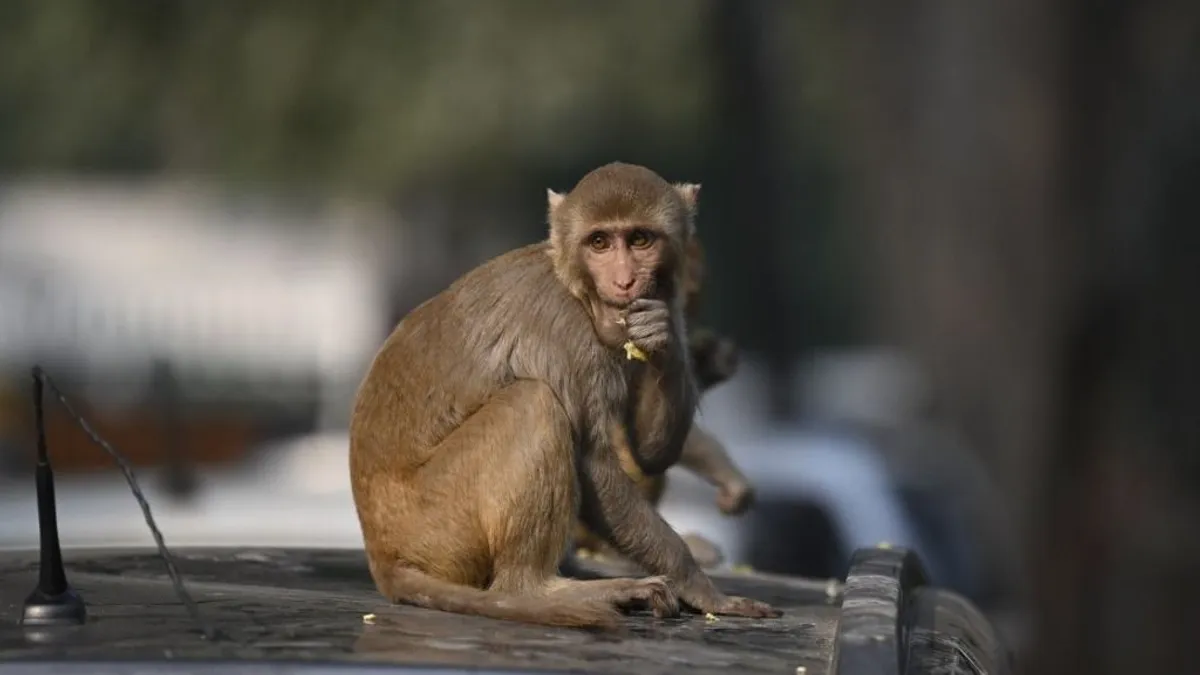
<point>613,508</point>
<point>707,457</point>
<point>666,405</point>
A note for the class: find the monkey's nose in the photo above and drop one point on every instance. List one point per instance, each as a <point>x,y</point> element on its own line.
<point>625,285</point>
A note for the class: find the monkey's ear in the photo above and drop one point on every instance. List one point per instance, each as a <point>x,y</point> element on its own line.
<point>553,199</point>
<point>690,193</point>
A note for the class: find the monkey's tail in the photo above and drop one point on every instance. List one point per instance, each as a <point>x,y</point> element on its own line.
<point>412,587</point>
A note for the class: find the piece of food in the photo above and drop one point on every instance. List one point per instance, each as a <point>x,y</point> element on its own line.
<point>632,352</point>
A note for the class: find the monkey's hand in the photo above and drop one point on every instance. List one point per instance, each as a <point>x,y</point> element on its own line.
<point>649,324</point>
<point>706,599</point>
<point>612,508</point>
<point>734,498</point>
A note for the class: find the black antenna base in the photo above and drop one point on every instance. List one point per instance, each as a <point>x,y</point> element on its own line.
<point>53,601</point>
<point>61,609</point>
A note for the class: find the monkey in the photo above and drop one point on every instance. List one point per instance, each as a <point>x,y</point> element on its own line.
<point>704,455</point>
<point>486,422</point>
<point>714,360</point>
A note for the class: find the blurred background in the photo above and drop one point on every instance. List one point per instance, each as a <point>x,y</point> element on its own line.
<point>954,242</point>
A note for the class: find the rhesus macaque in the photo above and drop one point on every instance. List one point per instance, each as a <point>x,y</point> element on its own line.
<point>714,360</point>
<point>487,422</point>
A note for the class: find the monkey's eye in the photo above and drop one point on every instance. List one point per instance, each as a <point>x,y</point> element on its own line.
<point>641,239</point>
<point>598,241</point>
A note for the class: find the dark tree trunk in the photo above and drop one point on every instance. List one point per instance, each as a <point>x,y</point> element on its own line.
<point>747,165</point>
<point>1032,252</point>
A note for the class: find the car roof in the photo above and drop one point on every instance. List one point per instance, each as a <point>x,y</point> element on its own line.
<point>320,606</point>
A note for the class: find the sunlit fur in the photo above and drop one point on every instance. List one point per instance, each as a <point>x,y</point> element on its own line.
<point>485,425</point>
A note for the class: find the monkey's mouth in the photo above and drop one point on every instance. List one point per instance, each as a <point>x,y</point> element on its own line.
<point>624,300</point>
<point>641,290</point>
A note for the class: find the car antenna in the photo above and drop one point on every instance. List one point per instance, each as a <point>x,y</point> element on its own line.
<point>53,601</point>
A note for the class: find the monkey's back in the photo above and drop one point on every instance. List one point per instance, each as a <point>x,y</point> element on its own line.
<point>508,318</point>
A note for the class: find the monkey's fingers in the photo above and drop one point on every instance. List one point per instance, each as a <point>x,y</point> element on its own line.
<point>652,316</point>
<point>738,606</point>
<point>648,336</point>
<point>646,304</point>
<point>652,592</point>
<point>664,605</point>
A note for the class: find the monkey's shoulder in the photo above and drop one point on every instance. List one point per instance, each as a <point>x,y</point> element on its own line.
<point>513,304</point>
<point>522,278</point>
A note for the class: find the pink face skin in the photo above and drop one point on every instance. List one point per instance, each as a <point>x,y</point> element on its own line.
<point>622,260</point>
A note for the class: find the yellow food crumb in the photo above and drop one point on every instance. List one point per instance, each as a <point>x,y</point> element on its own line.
<point>710,617</point>
<point>584,553</point>
<point>743,569</point>
<point>883,544</point>
<point>632,352</point>
<point>368,618</point>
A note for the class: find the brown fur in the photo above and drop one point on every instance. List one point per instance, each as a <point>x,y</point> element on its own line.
<point>714,360</point>
<point>486,421</point>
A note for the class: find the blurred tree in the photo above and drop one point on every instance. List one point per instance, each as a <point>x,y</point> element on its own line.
<point>365,96</point>
<point>749,168</point>
<point>456,114</point>
<point>1022,164</point>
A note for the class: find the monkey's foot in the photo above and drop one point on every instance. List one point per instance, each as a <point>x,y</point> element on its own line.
<point>734,498</point>
<point>706,553</point>
<point>654,593</point>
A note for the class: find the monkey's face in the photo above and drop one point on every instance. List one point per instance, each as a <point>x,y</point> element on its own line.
<point>623,261</point>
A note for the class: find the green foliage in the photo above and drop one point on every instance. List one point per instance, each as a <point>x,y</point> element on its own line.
<point>359,94</point>
<point>467,101</point>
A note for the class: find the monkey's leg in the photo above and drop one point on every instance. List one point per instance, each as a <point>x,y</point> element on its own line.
<point>480,527</point>
<point>529,513</point>
<point>514,460</point>
<point>707,457</point>
<point>649,592</point>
